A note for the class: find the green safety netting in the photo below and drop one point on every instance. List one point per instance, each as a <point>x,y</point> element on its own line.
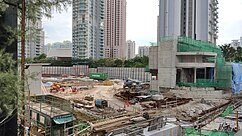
<point>81,126</point>
<point>223,72</point>
<point>194,132</point>
<point>227,111</point>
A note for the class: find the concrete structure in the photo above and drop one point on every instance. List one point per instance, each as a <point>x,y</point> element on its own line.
<point>60,53</point>
<point>130,49</point>
<point>88,29</point>
<point>115,29</point>
<point>143,51</point>
<point>51,114</point>
<point>168,66</point>
<point>34,71</point>
<point>197,19</point>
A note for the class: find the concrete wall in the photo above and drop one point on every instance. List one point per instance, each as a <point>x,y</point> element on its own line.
<point>33,82</point>
<point>153,57</point>
<point>113,72</point>
<point>167,64</point>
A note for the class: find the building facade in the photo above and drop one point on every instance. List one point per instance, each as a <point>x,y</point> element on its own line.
<point>130,49</point>
<point>35,39</point>
<point>241,41</point>
<point>115,29</point>
<point>58,45</point>
<point>88,28</point>
<point>197,19</point>
<point>144,51</point>
<point>170,65</point>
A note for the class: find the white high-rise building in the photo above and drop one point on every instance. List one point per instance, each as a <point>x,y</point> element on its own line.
<point>35,39</point>
<point>144,51</point>
<point>130,49</point>
<point>241,41</point>
<point>88,28</point>
<point>197,19</point>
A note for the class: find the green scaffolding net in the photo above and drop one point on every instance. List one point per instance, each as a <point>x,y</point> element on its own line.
<point>223,71</point>
<point>194,132</point>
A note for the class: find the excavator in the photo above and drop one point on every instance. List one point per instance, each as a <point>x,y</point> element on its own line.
<point>56,87</point>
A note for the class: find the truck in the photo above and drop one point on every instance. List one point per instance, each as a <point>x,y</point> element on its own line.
<point>98,76</point>
<point>101,103</point>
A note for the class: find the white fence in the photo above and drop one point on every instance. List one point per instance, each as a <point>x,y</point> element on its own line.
<point>112,72</point>
<point>124,73</point>
<point>61,70</point>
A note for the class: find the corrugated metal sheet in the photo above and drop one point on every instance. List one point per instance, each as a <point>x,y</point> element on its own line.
<point>76,70</point>
<point>123,73</point>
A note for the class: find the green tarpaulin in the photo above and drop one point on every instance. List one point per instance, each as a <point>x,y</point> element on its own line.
<point>227,111</point>
<point>194,132</point>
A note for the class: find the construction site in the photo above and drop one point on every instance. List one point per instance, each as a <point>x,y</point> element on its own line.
<point>188,90</point>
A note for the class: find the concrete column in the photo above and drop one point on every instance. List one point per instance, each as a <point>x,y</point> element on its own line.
<point>195,75</point>
<point>205,73</point>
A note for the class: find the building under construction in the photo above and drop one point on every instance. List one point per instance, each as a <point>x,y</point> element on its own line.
<point>50,116</point>
<point>188,95</point>
<point>183,61</point>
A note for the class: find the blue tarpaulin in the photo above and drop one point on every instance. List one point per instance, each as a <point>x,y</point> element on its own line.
<point>237,78</point>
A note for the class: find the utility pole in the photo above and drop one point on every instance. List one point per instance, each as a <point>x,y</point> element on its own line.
<point>22,125</point>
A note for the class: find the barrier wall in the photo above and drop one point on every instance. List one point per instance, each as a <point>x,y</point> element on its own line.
<point>112,72</point>
<point>124,73</point>
<point>77,70</point>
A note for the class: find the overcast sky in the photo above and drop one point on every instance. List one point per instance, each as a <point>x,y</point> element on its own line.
<point>142,22</point>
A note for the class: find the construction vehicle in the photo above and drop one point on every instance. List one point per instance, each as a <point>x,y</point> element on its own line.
<point>101,103</point>
<point>56,87</point>
<point>107,83</point>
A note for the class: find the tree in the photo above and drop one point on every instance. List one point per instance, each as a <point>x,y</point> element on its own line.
<point>238,54</point>
<point>231,54</point>
<point>9,85</point>
<point>228,52</point>
<point>9,88</point>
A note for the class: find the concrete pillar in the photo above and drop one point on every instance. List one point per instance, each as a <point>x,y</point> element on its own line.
<point>205,73</point>
<point>195,75</point>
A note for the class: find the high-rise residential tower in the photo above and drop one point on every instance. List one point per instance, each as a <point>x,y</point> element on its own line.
<point>197,19</point>
<point>35,38</point>
<point>115,29</point>
<point>88,28</point>
<point>130,49</point>
<point>144,51</point>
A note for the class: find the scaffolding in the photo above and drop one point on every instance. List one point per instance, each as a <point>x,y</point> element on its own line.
<point>50,115</point>
<point>223,71</point>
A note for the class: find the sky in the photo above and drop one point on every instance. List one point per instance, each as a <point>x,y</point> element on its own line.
<point>142,22</point>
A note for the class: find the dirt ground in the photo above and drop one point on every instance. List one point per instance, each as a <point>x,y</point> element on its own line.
<point>100,92</point>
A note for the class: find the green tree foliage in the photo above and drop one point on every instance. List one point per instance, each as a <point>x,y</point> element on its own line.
<point>138,62</point>
<point>231,54</point>
<point>9,85</point>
